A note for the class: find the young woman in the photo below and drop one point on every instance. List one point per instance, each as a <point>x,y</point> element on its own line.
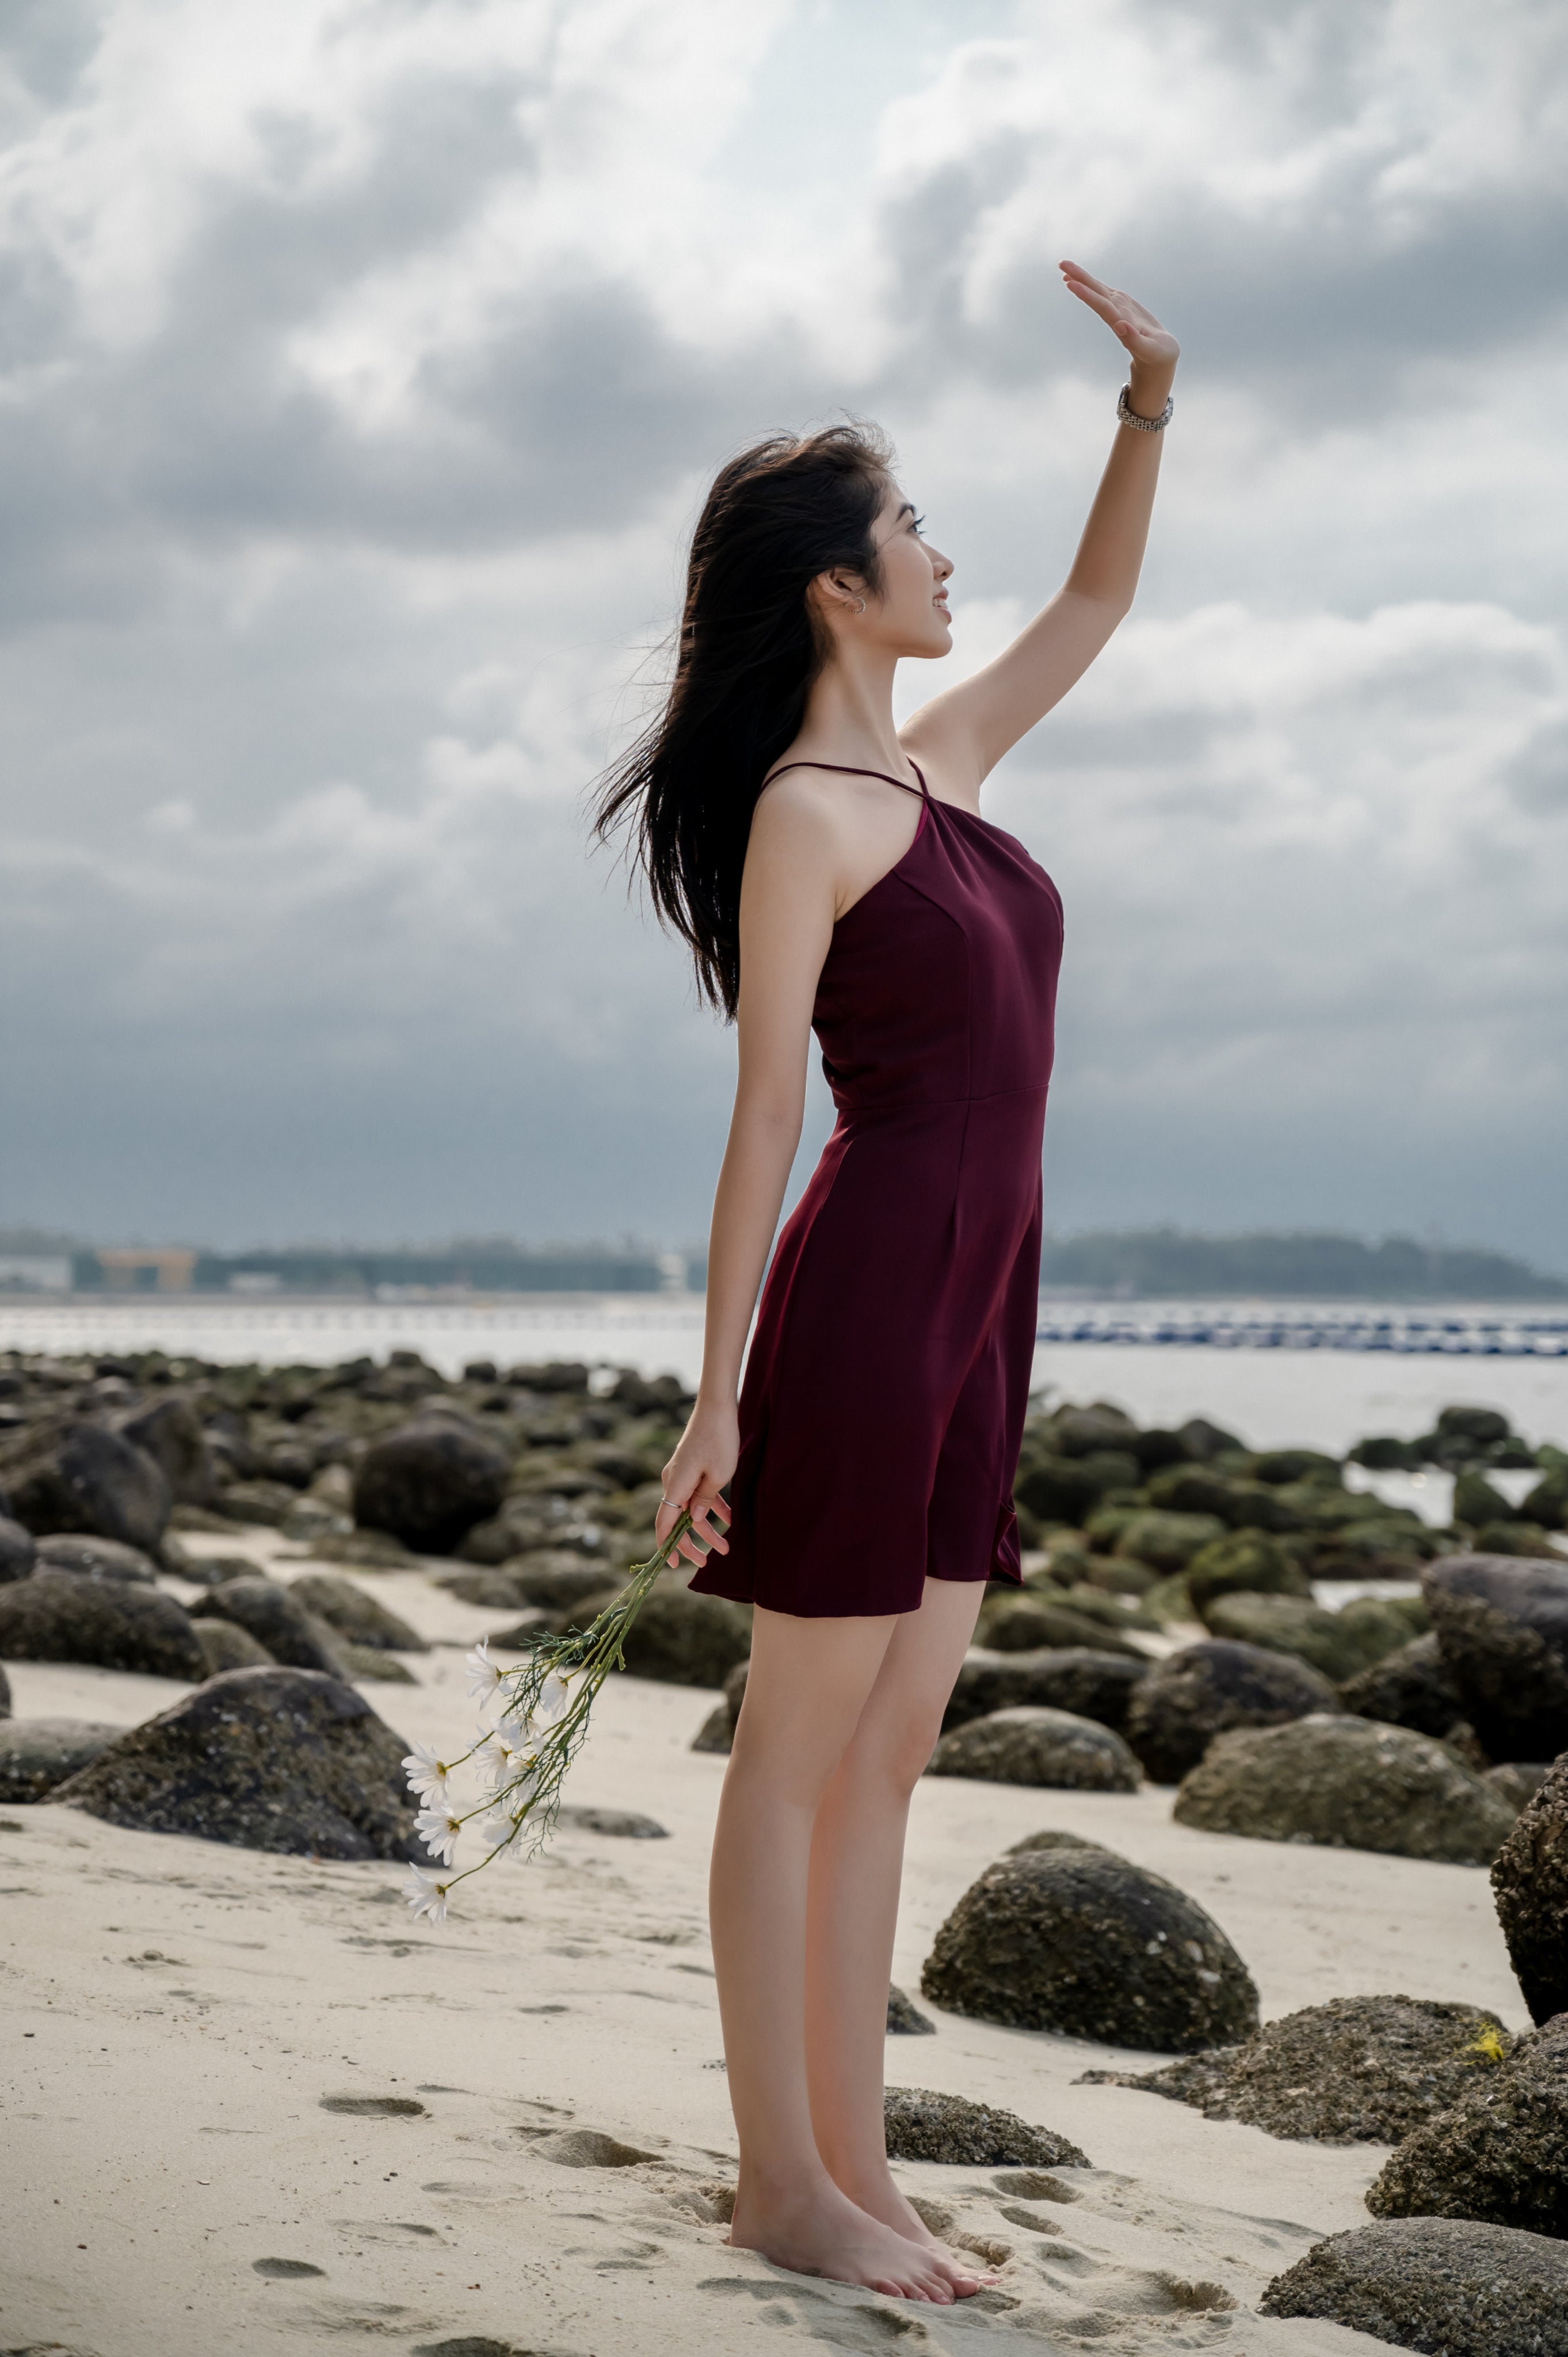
<point>832,873</point>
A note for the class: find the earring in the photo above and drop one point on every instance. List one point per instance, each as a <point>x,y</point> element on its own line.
<point>860,605</point>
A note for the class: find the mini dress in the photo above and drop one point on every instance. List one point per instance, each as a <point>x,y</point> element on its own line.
<point>889,1374</point>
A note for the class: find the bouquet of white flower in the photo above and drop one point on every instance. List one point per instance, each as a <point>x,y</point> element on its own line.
<point>535,1718</point>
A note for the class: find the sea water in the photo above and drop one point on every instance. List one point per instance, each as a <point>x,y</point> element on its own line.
<point>1301,1393</point>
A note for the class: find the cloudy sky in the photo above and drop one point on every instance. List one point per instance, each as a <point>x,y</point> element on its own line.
<point>363,364</point>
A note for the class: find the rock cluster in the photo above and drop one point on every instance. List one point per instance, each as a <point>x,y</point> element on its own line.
<point>1358,2070</point>
<point>499,1464</point>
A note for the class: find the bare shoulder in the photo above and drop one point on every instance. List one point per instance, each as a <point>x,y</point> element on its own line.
<point>799,814</point>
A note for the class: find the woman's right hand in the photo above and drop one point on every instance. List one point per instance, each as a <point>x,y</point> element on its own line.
<point>703,1460</point>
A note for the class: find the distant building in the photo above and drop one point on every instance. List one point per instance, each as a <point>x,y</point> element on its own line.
<point>164,1268</point>
<point>35,1272</point>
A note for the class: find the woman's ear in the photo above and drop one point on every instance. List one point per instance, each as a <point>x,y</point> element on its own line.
<point>840,595</point>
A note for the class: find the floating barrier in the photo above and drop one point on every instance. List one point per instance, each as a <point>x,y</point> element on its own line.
<point>1451,1334</point>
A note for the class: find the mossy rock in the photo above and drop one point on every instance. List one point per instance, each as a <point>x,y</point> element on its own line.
<point>1244,1563</point>
<point>1085,1943</point>
<point>1206,1689</point>
<point>1089,1681</point>
<point>1344,1782</point>
<point>1033,1745</point>
<point>1025,1623</point>
<point>1360,2069</point>
<point>1451,2286</point>
<point>1409,1687</point>
<point>1499,2151</point>
<point>1168,1541</point>
<point>1338,1643</point>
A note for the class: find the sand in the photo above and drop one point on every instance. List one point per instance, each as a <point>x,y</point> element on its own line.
<point>181,2019</point>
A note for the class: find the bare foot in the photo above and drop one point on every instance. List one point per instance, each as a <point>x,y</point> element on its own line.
<point>823,2233</point>
<point>884,2201</point>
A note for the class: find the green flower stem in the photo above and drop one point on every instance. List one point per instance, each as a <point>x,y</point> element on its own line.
<point>582,1659</point>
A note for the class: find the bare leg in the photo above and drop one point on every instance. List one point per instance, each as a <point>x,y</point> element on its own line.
<point>857,1856</point>
<point>808,1683</point>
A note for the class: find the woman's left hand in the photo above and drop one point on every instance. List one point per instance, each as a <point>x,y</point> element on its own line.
<point>1151,349</point>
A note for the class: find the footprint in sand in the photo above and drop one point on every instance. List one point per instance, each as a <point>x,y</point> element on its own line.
<point>375,2107</point>
<point>284,2270</point>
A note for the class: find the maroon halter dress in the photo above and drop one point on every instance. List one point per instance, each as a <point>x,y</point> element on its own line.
<point>886,1387</point>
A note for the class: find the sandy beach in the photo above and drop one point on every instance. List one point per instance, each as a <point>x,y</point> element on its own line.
<point>213,2054</point>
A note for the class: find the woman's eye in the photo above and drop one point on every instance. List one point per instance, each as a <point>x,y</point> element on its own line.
<point>917,524</point>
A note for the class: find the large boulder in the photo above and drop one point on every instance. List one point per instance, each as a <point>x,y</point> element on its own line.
<point>1500,2153</point>
<point>1206,1689</point>
<point>1088,1680</point>
<point>430,1481</point>
<point>1345,1783</point>
<point>1244,1563</point>
<point>1502,1624</point>
<point>170,1433</point>
<point>1083,1943</point>
<point>923,2126</point>
<point>355,1614</point>
<point>1338,1643</point>
<point>1029,1745</point>
<point>94,1558</point>
<point>66,1474</point>
<point>1409,1687</point>
<point>57,1617</point>
<point>1445,2285</point>
<point>18,1550</point>
<point>36,1754</point>
<point>1529,1881</point>
<point>1358,2070</point>
<point>1023,1624</point>
<point>274,1760</point>
<point>276,1618</point>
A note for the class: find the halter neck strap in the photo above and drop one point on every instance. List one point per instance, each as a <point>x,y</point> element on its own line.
<point>843,769</point>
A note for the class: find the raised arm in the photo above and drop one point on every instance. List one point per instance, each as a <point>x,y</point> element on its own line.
<point>967,729</point>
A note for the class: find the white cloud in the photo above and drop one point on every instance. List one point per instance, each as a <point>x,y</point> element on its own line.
<point>365,368</point>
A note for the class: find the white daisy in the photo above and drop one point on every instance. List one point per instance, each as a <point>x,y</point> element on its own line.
<point>438,1829</point>
<point>497,1827</point>
<point>426,1894</point>
<point>426,1776</point>
<point>483,1675</point>
<point>555,1699</point>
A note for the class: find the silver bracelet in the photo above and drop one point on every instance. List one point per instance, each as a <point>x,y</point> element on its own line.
<point>1128,415</point>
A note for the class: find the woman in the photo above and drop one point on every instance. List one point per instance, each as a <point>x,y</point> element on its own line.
<point>829,871</point>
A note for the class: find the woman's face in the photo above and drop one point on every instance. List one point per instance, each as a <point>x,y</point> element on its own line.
<point>911,616</point>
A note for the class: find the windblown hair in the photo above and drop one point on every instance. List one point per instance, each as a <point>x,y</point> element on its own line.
<point>750,646</point>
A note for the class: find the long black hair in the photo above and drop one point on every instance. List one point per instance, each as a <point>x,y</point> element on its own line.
<point>749,647</point>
